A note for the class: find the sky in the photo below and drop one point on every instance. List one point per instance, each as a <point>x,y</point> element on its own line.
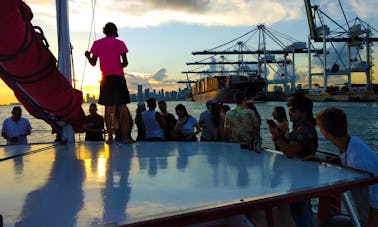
<point>162,34</point>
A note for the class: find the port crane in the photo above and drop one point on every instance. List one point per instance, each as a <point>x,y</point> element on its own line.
<point>347,49</point>
<point>236,57</point>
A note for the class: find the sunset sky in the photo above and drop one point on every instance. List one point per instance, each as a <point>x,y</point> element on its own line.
<point>161,34</point>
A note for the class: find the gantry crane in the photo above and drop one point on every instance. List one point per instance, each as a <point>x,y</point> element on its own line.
<point>260,62</point>
<point>347,48</point>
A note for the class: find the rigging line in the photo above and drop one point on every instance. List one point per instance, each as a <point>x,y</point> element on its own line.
<point>73,68</point>
<point>249,38</point>
<point>348,26</point>
<point>329,18</point>
<point>233,40</point>
<point>216,54</point>
<point>274,38</point>
<point>233,46</point>
<point>282,35</point>
<point>342,10</point>
<point>92,28</point>
<point>246,41</point>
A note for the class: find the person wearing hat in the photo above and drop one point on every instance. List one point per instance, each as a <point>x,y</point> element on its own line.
<point>302,143</point>
<point>113,88</point>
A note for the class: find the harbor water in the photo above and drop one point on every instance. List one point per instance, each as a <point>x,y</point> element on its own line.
<point>362,117</point>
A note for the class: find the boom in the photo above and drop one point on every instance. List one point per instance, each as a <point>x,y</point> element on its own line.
<point>310,19</point>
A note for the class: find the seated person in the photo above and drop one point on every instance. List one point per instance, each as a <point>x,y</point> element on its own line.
<point>94,125</point>
<point>154,122</point>
<point>185,125</point>
<point>170,120</point>
<point>16,128</point>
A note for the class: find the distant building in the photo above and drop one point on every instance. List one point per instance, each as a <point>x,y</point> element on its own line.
<point>158,95</point>
<point>140,93</point>
<point>90,99</point>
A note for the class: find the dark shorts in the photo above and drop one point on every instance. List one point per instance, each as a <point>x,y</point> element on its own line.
<point>113,91</point>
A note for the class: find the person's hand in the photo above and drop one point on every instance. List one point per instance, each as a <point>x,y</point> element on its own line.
<point>276,132</point>
<point>273,131</point>
<point>14,139</point>
<point>87,54</point>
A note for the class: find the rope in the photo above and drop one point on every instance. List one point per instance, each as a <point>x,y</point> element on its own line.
<point>89,39</point>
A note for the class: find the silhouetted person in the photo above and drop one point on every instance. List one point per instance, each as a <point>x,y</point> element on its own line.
<point>94,125</point>
<point>16,128</point>
<point>113,87</point>
<point>139,122</point>
<point>153,121</point>
<point>170,121</point>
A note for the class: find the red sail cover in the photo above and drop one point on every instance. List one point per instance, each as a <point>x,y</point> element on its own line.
<point>29,63</point>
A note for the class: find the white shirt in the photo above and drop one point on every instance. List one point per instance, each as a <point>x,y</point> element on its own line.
<point>360,156</point>
<point>153,128</point>
<point>16,129</point>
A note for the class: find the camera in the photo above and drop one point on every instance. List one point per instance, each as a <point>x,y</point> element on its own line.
<point>271,123</point>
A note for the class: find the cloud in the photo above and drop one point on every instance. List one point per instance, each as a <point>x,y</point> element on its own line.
<point>135,79</point>
<point>160,75</point>
<point>156,81</point>
<point>181,5</point>
<point>202,12</point>
<point>147,13</point>
<point>150,13</point>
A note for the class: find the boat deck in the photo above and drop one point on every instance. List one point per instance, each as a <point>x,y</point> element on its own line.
<point>152,183</point>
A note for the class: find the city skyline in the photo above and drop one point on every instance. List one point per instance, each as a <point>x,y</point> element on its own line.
<point>143,94</point>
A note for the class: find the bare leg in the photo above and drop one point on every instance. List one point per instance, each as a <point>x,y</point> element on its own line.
<point>109,110</point>
<point>124,122</point>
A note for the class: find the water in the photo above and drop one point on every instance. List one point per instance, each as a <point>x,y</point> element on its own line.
<point>362,117</point>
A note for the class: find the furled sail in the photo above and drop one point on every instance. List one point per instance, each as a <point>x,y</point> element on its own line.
<point>29,69</point>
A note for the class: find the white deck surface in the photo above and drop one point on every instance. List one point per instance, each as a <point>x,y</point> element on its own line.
<point>89,184</point>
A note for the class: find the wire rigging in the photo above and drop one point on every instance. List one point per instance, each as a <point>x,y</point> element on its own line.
<point>92,28</point>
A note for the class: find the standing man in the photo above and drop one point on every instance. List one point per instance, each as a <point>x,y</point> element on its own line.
<point>16,128</point>
<point>241,124</point>
<point>206,124</point>
<point>113,88</point>
<point>354,153</point>
<point>94,125</point>
<point>302,143</point>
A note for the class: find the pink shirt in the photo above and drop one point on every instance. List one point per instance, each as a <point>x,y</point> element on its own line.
<point>109,50</point>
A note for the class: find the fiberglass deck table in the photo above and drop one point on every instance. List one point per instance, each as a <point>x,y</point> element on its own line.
<point>154,183</point>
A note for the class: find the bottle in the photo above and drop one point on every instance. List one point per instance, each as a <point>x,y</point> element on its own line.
<point>256,144</point>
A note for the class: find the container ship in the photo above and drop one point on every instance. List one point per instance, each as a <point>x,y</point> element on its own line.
<point>223,88</point>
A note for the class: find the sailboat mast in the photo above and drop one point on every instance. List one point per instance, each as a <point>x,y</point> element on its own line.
<point>64,54</point>
<point>64,43</point>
